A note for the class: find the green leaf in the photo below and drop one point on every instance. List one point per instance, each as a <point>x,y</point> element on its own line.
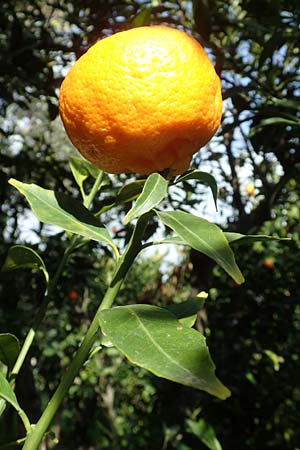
<point>81,170</point>
<point>143,18</point>
<point>64,212</point>
<point>9,349</point>
<point>286,103</point>
<point>2,406</point>
<point>231,237</point>
<point>177,240</point>
<point>248,239</point>
<point>204,177</point>
<point>205,237</point>
<point>186,312</point>
<point>204,432</point>
<point>292,121</point>
<point>22,257</point>
<point>274,120</point>
<point>276,359</point>
<point>130,191</point>
<point>154,339</point>
<point>153,193</point>
<point>7,393</point>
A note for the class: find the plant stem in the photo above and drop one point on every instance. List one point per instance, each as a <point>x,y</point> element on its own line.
<point>25,420</point>
<point>13,444</point>
<point>42,311</point>
<point>125,262</point>
<point>89,199</point>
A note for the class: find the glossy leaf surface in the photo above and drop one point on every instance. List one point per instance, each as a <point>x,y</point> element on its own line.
<point>63,211</point>
<point>154,339</point>
<point>205,237</point>
<point>152,194</point>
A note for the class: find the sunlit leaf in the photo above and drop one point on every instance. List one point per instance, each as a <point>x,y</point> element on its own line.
<point>64,212</point>
<point>2,406</point>
<point>152,338</point>
<point>152,194</point>
<point>205,237</point>
<point>203,177</point>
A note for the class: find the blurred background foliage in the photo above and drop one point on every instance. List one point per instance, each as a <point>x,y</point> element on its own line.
<point>252,330</point>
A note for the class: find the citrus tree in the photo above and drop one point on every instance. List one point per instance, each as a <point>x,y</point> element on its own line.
<point>249,210</point>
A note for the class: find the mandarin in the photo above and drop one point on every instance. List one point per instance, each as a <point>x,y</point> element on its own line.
<point>142,101</point>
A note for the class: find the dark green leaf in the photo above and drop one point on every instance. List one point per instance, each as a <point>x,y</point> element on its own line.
<point>153,338</point>
<point>205,237</point>
<point>22,257</point>
<point>204,177</point>
<point>9,349</point>
<point>153,193</point>
<point>143,18</point>
<point>130,191</point>
<point>64,212</point>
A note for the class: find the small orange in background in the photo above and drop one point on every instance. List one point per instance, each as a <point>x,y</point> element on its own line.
<point>268,263</point>
<point>142,101</point>
<point>73,295</point>
<point>250,189</point>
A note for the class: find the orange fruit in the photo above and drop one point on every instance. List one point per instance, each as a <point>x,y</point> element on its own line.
<point>250,189</point>
<point>141,101</point>
<point>268,263</point>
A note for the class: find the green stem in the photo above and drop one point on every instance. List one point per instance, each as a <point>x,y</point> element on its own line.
<point>25,420</point>
<point>125,262</point>
<point>89,199</point>
<point>13,444</point>
<point>42,311</point>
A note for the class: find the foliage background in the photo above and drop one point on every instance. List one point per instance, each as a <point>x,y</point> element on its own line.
<point>252,330</point>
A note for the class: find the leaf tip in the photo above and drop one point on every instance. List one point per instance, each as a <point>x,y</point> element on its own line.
<point>12,181</point>
<point>223,393</point>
